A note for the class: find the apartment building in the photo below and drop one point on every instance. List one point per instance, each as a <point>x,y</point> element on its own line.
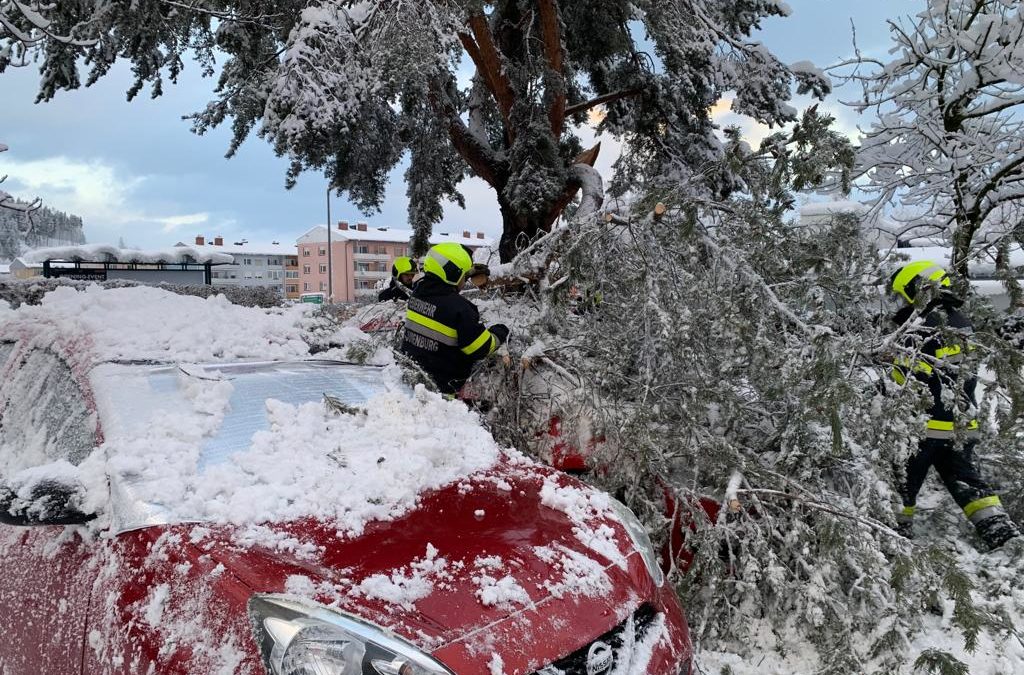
<point>361,257</point>
<point>257,264</point>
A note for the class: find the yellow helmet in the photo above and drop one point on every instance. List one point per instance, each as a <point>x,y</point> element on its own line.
<point>402,265</point>
<point>449,261</point>
<point>904,282</point>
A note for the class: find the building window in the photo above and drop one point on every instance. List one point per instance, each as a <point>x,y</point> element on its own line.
<point>382,250</point>
<point>322,251</point>
<point>362,249</point>
<point>293,262</point>
<point>305,286</point>
<point>247,261</point>
<point>323,285</point>
<point>323,269</point>
<point>306,269</point>
<point>305,252</point>
<point>291,275</point>
<point>293,288</point>
<point>274,261</point>
<point>400,251</point>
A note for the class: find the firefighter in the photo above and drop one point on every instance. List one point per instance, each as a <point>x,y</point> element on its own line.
<point>403,271</point>
<point>443,333</point>
<point>941,339</point>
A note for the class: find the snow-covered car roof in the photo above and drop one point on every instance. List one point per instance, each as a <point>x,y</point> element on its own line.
<point>213,412</point>
<point>266,442</point>
<point>144,323</point>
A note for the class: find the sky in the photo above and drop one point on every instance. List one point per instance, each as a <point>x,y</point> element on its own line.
<point>135,171</point>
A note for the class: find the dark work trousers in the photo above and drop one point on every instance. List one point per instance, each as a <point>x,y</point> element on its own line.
<point>956,468</point>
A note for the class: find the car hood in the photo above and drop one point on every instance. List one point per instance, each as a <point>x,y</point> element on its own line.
<point>519,552</point>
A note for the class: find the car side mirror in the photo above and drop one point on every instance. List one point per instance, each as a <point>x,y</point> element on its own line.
<point>48,502</point>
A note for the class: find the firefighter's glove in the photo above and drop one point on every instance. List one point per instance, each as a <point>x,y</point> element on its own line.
<point>500,331</point>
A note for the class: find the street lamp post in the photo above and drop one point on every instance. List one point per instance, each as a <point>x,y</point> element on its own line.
<point>330,269</point>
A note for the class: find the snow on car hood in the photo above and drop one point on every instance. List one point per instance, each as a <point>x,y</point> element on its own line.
<point>481,565</point>
<point>256,443</point>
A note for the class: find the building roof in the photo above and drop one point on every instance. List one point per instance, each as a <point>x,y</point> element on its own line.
<point>394,235</point>
<point>244,246</point>
<point>112,254</point>
<point>981,267</point>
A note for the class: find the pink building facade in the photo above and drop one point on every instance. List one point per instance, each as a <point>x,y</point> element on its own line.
<point>361,257</point>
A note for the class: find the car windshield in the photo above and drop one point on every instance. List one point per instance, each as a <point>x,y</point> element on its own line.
<point>226,405</point>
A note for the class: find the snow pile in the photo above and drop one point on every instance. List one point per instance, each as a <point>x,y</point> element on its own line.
<point>347,469</point>
<point>145,323</point>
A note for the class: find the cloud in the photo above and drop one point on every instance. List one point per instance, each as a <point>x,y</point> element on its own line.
<point>754,132</point>
<point>174,222</point>
<point>106,199</point>
<point>90,189</point>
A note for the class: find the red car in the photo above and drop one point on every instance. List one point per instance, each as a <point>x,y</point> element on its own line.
<point>297,518</point>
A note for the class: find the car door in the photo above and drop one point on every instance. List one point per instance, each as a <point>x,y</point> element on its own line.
<point>46,572</point>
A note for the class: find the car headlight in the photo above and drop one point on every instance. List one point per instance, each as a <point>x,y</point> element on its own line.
<point>308,639</point>
<point>641,541</point>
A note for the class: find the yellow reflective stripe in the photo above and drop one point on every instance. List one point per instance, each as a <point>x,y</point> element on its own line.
<point>909,511</point>
<point>897,375</point>
<point>983,503</point>
<point>919,367</point>
<point>942,425</point>
<point>947,351</point>
<point>416,317</point>
<point>479,342</point>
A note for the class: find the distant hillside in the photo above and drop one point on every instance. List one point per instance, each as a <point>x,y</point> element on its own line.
<point>43,227</point>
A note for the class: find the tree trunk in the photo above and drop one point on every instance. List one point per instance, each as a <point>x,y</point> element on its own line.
<point>518,230</point>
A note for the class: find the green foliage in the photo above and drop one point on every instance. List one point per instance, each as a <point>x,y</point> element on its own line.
<point>938,662</point>
<point>738,356</point>
<point>349,88</point>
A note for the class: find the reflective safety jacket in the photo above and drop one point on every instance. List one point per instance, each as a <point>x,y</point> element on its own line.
<point>443,333</point>
<point>938,365</point>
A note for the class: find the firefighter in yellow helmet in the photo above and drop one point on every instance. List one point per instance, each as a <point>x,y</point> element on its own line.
<point>403,271</point>
<point>941,343</point>
<point>443,333</point>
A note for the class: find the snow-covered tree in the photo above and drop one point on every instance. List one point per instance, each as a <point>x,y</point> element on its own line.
<point>7,200</point>
<point>716,349</point>
<point>492,89</point>
<point>948,144</point>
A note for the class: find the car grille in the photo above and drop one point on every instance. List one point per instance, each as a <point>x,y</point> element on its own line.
<point>606,652</point>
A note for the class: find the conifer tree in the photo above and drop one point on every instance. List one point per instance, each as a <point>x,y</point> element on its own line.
<point>351,87</point>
